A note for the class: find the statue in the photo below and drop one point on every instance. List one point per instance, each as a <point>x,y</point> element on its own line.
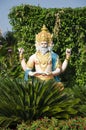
<point>46,63</point>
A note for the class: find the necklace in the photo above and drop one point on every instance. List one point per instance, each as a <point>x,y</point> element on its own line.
<point>43,60</point>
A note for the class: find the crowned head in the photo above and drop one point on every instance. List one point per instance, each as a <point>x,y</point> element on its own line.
<point>44,36</point>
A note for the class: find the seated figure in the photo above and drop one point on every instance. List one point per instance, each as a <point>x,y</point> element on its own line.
<point>44,64</point>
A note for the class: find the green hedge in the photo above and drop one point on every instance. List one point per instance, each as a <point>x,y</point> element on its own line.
<point>69,28</point>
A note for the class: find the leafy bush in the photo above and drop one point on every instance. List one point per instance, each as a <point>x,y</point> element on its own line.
<point>77,123</point>
<point>68,27</point>
<point>25,101</point>
<point>80,92</point>
<point>9,65</point>
<point>69,30</point>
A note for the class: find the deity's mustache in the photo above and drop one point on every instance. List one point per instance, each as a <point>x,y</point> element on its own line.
<point>43,50</point>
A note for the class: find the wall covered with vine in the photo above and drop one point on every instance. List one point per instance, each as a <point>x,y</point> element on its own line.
<point>69,31</point>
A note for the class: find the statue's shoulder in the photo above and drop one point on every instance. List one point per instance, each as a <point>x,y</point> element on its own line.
<point>33,56</point>
<point>54,55</point>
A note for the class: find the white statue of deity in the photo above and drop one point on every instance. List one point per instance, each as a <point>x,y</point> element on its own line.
<point>46,63</point>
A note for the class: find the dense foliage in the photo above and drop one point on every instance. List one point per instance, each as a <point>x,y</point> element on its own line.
<point>80,92</point>
<point>23,102</point>
<point>77,123</point>
<point>69,29</point>
<point>27,101</point>
<point>9,65</point>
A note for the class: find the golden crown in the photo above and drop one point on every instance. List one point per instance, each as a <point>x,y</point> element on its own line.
<point>44,36</point>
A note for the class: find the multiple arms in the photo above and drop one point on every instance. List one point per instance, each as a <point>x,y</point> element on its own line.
<point>57,71</point>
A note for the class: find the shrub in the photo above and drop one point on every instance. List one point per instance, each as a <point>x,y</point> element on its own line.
<point>25,101</point>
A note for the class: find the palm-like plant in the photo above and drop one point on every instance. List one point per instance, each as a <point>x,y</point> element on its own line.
<point>80,92</point>
<point>26,101</point>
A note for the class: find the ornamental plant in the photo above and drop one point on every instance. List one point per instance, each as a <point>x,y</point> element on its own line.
<point>22,101</point>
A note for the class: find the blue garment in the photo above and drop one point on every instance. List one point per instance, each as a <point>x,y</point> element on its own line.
<point>54,59</point>
<point>26,74</point>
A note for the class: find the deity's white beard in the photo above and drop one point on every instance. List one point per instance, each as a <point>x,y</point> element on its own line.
<point>43,50</point>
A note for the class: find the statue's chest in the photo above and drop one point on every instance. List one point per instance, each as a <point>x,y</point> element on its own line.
<point>43,61</point>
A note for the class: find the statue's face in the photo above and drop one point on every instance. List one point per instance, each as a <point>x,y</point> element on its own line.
<point>43,47</point>
<point>44,44</point>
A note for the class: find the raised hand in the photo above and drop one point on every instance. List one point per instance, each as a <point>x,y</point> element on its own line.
<point>68,53</point>
<point>21,50</point>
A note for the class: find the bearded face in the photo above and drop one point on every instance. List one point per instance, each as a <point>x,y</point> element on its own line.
<point>44,48</point>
